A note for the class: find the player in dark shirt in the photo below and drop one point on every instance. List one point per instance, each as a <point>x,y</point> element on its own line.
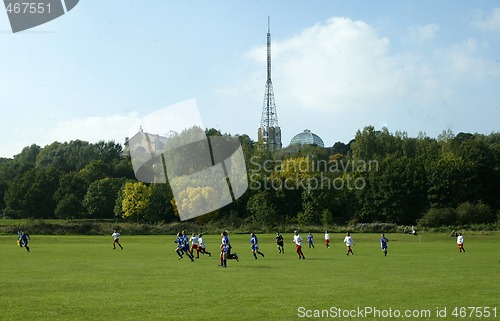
<point>279,243</point>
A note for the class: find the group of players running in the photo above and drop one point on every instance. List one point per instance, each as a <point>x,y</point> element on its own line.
<point>198,245</point>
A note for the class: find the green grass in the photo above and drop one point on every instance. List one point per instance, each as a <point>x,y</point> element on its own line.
<point>82,278</point>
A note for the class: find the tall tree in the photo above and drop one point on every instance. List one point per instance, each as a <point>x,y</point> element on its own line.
<point>32,194</point>
<point>136,198</point>
<point>99,200</point>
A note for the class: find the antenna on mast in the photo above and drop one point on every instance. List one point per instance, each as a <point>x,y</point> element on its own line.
<point>269,131</point>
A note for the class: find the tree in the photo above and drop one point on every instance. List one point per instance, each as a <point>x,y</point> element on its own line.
<point>16,202</point>
<point>123,168</point>
<point>475,150</point>
<point>3,189</point>
<point>340,148</point>
<point>22,162</point>
<point>263,209</point>
<point>70,192</point>
<point>160,208</point>
<point>365,146</point>
<point>32,194</point>
<point>93,171</point>
<point>76,154</point>
<point>54,156</point>
<point>69,207</point>
<point>136,198</point>
<point>451,181</point>
<point>27,157</point>
<point>247,145</point>
<point>101,195</point>
<point>198,199</point>
<point>394,193</point>
<point>108,152</point>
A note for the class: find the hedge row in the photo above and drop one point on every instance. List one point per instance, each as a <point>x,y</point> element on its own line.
<point>92,227</point>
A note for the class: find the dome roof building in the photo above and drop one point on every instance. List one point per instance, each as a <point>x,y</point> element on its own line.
<point>307,138</point>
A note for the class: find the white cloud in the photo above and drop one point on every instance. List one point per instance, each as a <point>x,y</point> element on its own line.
<point>491,21</point>
<point>341,75</point>
<point>463,62</point>
<point>425,32</point>
<point>91,129</point>
<point>344,64</point>
<point>94,129</point>
<point>340,65</point>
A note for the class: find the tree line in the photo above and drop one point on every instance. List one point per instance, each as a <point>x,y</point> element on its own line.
<point>377,177</point>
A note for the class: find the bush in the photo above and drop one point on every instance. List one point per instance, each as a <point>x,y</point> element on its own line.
<point>436,217</point>
<point>485,213</point>
<point>374,228</point>
<point>464,214</point>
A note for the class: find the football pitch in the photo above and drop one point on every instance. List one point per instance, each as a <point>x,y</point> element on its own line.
<point>83,278</point>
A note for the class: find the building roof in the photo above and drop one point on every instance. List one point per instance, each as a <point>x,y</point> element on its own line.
<point>307,138</point>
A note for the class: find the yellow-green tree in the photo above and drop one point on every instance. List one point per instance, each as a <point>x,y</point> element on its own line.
<point>293,172</point>
<point>198,199</point>
<point>136,198</point>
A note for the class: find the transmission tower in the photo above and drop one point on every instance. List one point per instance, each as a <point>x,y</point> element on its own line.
<point>269,131</point>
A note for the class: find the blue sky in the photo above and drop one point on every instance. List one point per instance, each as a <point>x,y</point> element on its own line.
<point>338,66</point>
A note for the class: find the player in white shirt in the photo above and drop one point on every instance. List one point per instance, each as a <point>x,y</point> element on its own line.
<point>327,239</point>
<point>460,242</point>
<point>349,242</point>
<point>116,240</point>
<point>297,239</point>
<point>201,247</point>
<point>194,245</point>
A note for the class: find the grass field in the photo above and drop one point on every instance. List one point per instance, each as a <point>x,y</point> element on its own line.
<point>83,278</point>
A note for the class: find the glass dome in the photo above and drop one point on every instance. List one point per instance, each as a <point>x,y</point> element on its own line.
<point>307,138</point>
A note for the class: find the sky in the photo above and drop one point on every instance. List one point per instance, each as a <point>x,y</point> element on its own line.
<point>337,66</point>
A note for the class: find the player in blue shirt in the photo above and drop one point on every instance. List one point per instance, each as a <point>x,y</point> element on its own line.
<point>179,250</point>
<point>310,242</point>
<point>185,242</point>
<point>183,246</point>
<point>225,253</point>
<point>254,241</point>
<point>25,238</point>
<point>225,249</point>
<point>383,244</point>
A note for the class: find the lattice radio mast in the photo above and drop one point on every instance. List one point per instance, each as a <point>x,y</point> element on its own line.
<point>269,131</point>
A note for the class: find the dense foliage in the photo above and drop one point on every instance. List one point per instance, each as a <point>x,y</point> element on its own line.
<point>377,177</point>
